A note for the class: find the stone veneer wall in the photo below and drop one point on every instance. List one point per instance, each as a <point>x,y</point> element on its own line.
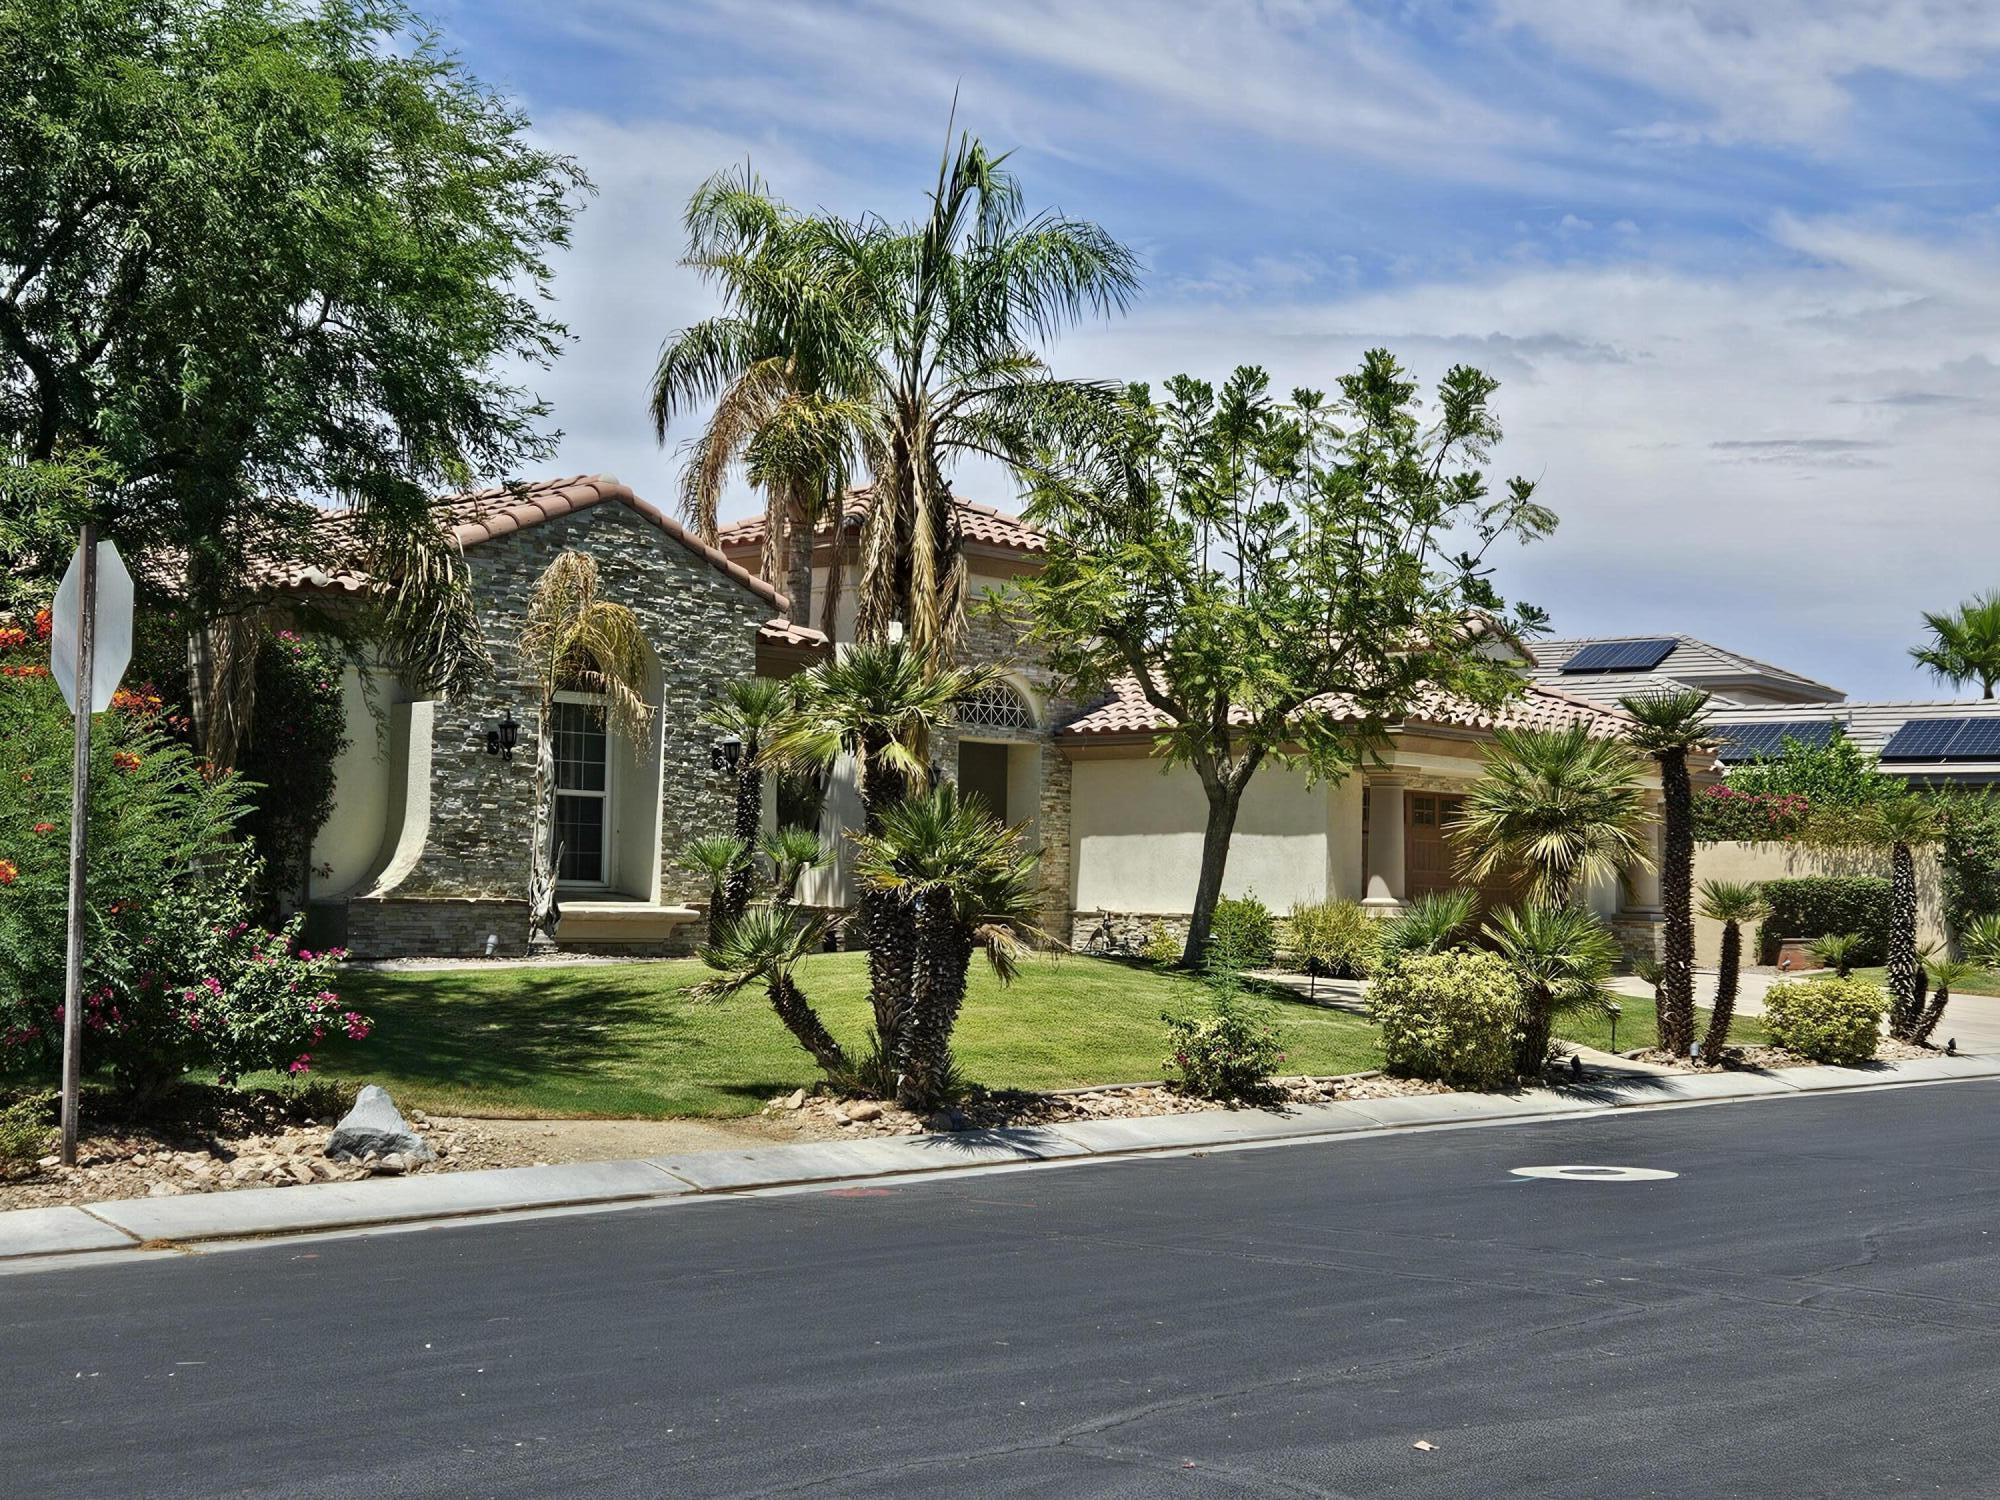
<point>472,877</point>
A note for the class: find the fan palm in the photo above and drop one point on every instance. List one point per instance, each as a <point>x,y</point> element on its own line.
<point>1944,975</point>
<point>717,858</point>
<point>1428,924</point>
<point>1558,804</point>
<point>1965,645</point>
<point>792,852</point>
<point>750,709</point>
<point>1899,822</point>
<point>1562,955</point>
<point>1837,950</point>
<point>1732,903</point>
<point>573,640</point>
<point>1667,725</point>
<point>1982,941</point>
<point>764,946</point>
<point>966,883</point>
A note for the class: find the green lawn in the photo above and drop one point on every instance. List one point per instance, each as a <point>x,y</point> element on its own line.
<point>1638,1026</point>
<point>625,1040</point>
<point>1984,982</point>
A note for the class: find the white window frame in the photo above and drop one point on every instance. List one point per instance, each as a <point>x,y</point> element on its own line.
<point>604,865</point>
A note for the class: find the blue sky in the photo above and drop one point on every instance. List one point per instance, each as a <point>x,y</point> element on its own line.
<point>1733,262</point>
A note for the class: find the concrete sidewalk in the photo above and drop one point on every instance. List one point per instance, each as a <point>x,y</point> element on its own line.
<point>52,1235</point>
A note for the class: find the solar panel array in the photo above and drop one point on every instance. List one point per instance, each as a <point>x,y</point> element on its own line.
<point>1620,656</point>
<point>1945,739</point>
<point>1740,742</point>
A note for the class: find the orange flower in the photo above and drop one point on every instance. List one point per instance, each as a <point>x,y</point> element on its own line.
<point>12,636</point>
<point>125,760</point>
<point>8,872</point>
<point>44,623</point>
<point>45,828</point>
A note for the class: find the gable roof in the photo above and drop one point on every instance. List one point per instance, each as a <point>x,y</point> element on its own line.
<point>1127,714</point>
<point>1872,725</point>
<point>1689,663</point>
<point>982,525</point>
<point>482,515</point>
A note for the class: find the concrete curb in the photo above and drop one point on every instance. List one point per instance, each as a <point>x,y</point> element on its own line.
<point>31,1233</point>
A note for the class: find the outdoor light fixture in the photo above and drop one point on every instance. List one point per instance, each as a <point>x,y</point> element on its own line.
<point>725,753</point>
<point>503,737</point>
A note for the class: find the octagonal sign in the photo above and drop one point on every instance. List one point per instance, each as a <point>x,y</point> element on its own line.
<point>111,650</point>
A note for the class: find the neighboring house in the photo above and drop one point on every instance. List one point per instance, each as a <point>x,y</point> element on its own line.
<point>1607,668</point>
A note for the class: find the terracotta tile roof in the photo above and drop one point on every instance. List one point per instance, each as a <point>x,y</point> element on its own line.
<point>1126,712</point>
<point>481,515</point>
<point>784,633</point>
<point>980,523</point>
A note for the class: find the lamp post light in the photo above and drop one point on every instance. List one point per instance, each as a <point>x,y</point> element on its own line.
<point>501,738</point>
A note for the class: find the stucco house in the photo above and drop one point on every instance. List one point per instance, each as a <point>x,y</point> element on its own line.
<point>428,847</point>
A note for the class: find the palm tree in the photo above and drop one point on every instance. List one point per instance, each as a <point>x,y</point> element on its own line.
<point>918,338</point>
<point>1732,903</point>
<point>1558,804</point>
<point>792,852</point>
<point>1837,950</point>
<point>1905,823</point>
<point>572,640</point>
<point>965,882</point>
<point>1666,726</point>
<point>764,946</point>
<point>1428,924</point>
<point>750,709</point>
<point>1945,974</point>
<point>1964,646</point>
<point>1562,955</point>
<point>719,858</point>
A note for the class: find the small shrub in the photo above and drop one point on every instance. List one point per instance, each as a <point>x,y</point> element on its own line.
<point>1825,905</point>
<point>24,1131</point>
<point>1827,1020</point>
<point>1335,939</point>
<point>1836,951</point>
<point>1243,927</point>
<point>1161,947</point>
<point>1226,1054</point>
<point>1454,1016</point>
<point>1432,923</point>
<point>1727,813</point>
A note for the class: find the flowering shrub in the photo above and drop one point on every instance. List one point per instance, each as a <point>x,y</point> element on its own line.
<point>1730,814</point>
<point>1223,1055</point>
<point>1456,1016</point>
<point>1827,1020</point>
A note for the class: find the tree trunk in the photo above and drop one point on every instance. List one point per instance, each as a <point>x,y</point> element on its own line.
<point>544,913</point>
<point>1223,802</point>
<point>1676,1016</point>
<point>1933,1013</point>
<point>1731,963</point>
<point>942,956</point>
<point>798,569</point>
<point>803,1022</point>
<point>1537,1024</point>
<point>886,916</point>
<point>749,824</point>
<point>1906,992</point>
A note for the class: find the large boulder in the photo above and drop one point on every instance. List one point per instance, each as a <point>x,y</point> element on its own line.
<point>374,1129</point>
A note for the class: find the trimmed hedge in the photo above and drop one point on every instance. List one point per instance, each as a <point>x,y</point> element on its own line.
<point>1811,906</point>
<point>1454,1016</point>
<point>1827,1020</point>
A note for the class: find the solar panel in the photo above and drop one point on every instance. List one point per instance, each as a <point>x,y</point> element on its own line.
<point>1739,742</point>
<point>1924,739</point>
<point>1977,739</point>
<point>1620,656</point>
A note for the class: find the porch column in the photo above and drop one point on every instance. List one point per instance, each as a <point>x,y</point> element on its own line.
<point>1385,844</point>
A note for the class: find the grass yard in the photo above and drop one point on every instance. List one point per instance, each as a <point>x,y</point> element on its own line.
<point>1639,1027</point>
<point>624,1041</point>
<point>1984,982</point>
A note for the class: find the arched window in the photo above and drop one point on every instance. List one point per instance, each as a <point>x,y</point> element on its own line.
<point>997,706</point>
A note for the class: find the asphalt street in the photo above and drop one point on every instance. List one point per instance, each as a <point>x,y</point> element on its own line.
<point>1811,1307</point>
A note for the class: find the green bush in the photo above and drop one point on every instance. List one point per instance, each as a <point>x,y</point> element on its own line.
<point>24,1131</point>
<point>1161,946</point>
<point>1243,932</point>
<point>1827,1020</point>
<point>1223,1055</point>
<point>1336,939</point>
<point>1825,905</point>
<point>1970,857</point>
<point>1455,1016</point>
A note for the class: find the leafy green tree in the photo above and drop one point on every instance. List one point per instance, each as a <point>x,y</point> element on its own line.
<point>1668,725</point>
<point>1562,955</point>
<point>919,339</point>
<point>1732,903</point>
<point>1560,805</point>
<point>1280,583</point>
<point>1964,645</point>
<point>251,250</point>
<point>1838,773</point>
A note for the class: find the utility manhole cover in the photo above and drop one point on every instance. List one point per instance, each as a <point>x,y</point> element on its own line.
<point>1597,1174</point>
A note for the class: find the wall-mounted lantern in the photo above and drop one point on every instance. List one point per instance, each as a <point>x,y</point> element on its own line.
<point>501,738</point>
<point>725,753</point>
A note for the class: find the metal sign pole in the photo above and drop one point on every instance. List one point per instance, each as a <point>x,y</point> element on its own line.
<point>79,807</point>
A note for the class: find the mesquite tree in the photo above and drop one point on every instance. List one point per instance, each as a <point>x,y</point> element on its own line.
<point>1278,582</point>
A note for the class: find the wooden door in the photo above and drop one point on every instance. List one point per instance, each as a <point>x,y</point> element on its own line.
<point>1430,854</point>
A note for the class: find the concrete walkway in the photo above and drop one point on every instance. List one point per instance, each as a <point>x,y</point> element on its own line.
<point>52,1236</point>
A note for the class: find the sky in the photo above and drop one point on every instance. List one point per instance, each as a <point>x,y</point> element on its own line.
<point>1732,261</point>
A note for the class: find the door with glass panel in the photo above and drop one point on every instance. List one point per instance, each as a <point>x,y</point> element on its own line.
<point>582,793</point>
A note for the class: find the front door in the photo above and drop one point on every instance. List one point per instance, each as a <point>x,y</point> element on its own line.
<point>1430,854</point>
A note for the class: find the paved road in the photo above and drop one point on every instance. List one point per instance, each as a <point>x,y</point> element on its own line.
<point>1811,1307</point>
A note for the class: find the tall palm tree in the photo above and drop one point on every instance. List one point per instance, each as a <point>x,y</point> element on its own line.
<point>764,946</point>
<point>1899,822</point>
<point>879,704</point>
<point>1557,804</point>
<point>929,328</point>
<point>1562,955</point>
<point>1666,726</point>
<point>966,883</point>
<point>751,708</point>
<point>1964,645</point>
<point>1732,903</point>
<point>576,641</point>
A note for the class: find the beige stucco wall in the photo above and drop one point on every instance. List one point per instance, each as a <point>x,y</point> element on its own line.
<point>1753,862</point>
<point>1137,837</point>
<point>347,846</point>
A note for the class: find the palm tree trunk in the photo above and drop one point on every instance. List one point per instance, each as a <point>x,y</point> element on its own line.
<point>803,1022</point>
<point>799,570</point>
<point>1677,905</point>
<point>1537,1022</point>
<point>942,955</point>
<point>1223,802</point>
<point>886,918</point>
<point>1933,1013</point>
<point>1731,963</point>
<point>749,823</point>
<point>1906,993</point>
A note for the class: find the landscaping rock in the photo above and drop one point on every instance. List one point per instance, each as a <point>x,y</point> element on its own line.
<point>374,1128</point>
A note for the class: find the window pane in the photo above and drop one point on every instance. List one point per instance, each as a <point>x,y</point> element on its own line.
<point>580,836</point>
<point>580,748</point>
